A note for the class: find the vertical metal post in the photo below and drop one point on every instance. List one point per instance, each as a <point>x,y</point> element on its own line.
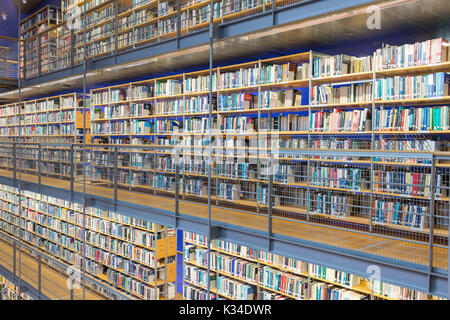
<point>258,276</point>
<point>274,6</point>
<point>308,291</point>
<point>84,150</point>
<point>178,23</point>
<point>39,54</point>
<point>19,185</point>
<point>166,294</point>
<point>14,261</point>
<point>269,207</point>
<point>431,220</point>
<point>371,289</point>
<point>39,165</point>
<point>24,58</point>
<point>72,48</point>
<point>116,28</point>
<point>258,164</point>
<point>308,164</point>
<point>177,192</point>
<point>116,153</point>
<point>183,259</point>
<point>72,170</point>
<point>15,163</point>
<point>39,277</point>
<point>372,143</point>
<point>156,268</point>
<point>211,43</point>
<point>372,179</point>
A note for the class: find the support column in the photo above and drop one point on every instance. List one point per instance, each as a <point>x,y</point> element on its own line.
<point>211,43</point>
<point>39,277</point>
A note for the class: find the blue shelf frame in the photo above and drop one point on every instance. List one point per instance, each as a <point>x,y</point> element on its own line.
<point>253,23</point>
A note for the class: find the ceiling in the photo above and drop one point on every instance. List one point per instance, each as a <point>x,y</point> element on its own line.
<point>402,21</point>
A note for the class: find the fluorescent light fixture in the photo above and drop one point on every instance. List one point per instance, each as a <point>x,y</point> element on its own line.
<point>136,64</point>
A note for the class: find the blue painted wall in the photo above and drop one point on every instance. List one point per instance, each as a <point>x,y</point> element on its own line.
<point>179,261</point>
<point>8,26</point>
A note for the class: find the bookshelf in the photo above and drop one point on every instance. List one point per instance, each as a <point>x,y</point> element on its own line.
<point>39,38</point>
<point>133,23</point>
<point>270,276</point>
<point>55,119</point>
<point>124,252</point>
<point>11,292</point>
<point>302,101</point>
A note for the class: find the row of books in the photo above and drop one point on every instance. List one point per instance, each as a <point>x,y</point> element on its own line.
<point>131,285</point>
<point>175,106</point>
<point>408,183</point>
<point>92,18</point>
<point>66,245</point>
<point>45,130</point>
<point>127,233</point>
<point>344,178</point>
<point>287,276</point>
<point>235,289</point>
<point>413,119</point>
<point>123,248</point>
<point>324,291</point>
<point>199,83</point>
<point>289,284</point>
<point>423,53</point>
<point>353,93</point>
<point>341,121</point>
<point>341,64</point>
<point>120,218</point>
<point>193,293</point>
<point>399,213</point>
<point>433,85</point>
<point>331,204</point>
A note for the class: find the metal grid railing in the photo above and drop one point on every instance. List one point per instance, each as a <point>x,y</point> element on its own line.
<point>388,206</point>
<point>35,266</point>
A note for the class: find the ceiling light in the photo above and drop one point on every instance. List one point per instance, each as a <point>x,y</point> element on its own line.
<point>139,63</point>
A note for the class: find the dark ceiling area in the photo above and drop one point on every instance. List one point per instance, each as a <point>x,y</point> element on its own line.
<point>9,13</point>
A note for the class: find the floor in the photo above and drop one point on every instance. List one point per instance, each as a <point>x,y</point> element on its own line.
<point>53,284</point>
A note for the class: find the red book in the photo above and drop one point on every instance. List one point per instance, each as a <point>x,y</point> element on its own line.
<point>415,181</point>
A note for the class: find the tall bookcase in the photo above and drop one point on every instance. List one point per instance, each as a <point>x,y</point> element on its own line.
<point>133,23</point>
<point>40,54</point>
<point>55,119</point>
<point>242,273</point>
<point>302,101</point>
<point>124,252</point>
